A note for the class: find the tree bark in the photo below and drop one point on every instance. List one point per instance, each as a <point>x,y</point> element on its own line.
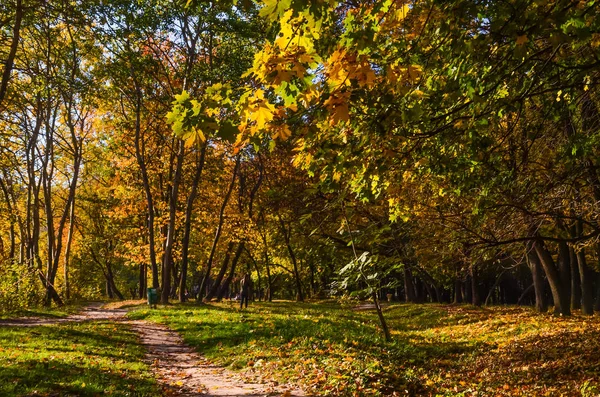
<point>287,238</point>
<point>227,283</point>
<point>409,285</point>
<point>168,254</point>
<point>217,283</point>
<point>384,327</point>
<point>141,161</point>
<point>475,298</point>
<point>586,276</point>
<point>533,261</point>
<point>458,296</point>
<point>561,301</point>
<point>213,248</point>
<point>14,45</point>
<point>187,225</point>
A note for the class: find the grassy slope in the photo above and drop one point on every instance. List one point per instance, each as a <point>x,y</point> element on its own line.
<point>445,350</point>
<point>73,359</point>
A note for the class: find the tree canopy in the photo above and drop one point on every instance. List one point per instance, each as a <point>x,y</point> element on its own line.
<point>429,150</point>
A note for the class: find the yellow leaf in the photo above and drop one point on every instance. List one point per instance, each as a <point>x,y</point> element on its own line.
<point>262,115</point>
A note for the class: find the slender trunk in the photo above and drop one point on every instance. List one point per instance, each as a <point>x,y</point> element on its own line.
<point>597,299</point>
<point>269,295</point>
<point>564,265</point>
<point>260,294</point>
<point>142,280</point>
<point>110,279</point>
<point>168,254</point>
<point>12,215</point>
<point>187,226</point>
<point>68,251</point>
<point>533,261</point>
<point>141,160</point>
<point>458,295</point>
<point>229,278</point>
<point>213,249</point>
<point>475,298</point>
<point>217,283</point>
<point>286,234</point>
<point>14,45</point>
<point>586,277</point>
<point>384,327</point>
<point>575,280</point>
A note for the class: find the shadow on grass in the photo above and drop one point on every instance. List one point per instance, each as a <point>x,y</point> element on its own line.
<point>31,377</point>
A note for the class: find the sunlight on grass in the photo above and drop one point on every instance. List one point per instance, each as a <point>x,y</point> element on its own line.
<point>443,349</point>
<point>83,359</point>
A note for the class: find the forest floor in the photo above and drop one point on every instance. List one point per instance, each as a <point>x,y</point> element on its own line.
<point>325,348</point>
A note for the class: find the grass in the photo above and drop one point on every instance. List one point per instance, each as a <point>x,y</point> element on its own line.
<point>73,359</point>
<point>440,350</point>
<point>51,312</point>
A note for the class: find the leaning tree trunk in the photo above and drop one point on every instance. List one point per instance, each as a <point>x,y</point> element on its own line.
<point>533,261</point>
<point>561,301</point>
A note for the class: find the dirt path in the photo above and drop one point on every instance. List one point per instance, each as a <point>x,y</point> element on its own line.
<point>178,368</point>
<point>92,312</point>
<point>182,372</point>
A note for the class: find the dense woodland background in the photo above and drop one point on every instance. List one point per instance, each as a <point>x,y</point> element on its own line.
<point>432,150</point>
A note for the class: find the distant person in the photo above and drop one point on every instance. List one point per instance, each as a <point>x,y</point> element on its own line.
<point>244,290</point>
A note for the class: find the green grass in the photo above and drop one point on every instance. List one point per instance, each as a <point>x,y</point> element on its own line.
<point>436,349</point>
<point>51,312</point>
<point>73,359</point>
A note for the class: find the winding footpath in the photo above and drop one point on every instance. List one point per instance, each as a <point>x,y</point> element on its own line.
<point>178,368</point>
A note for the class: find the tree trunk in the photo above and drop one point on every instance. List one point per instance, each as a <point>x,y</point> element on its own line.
<point>458,296</point>
<point>14,45</point>
<point>561,301</point>
<point>217,283</point>
<point>168,254</point>
<point>110,279</point>
<point>141,161</point>
<point>575,280</point>
<point>68,251</point>
<point>286,234</point>
<point>213,249</point>
<point>384,327</point>
<point>533,261</point>
<point>229,278</point>
<point>187,226</point>
<point>142,280</point>
<point>409,285</point>
<point>597,301</point>
<point>564,265</point>
<point>475,298</point>
<point>586,276</point>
